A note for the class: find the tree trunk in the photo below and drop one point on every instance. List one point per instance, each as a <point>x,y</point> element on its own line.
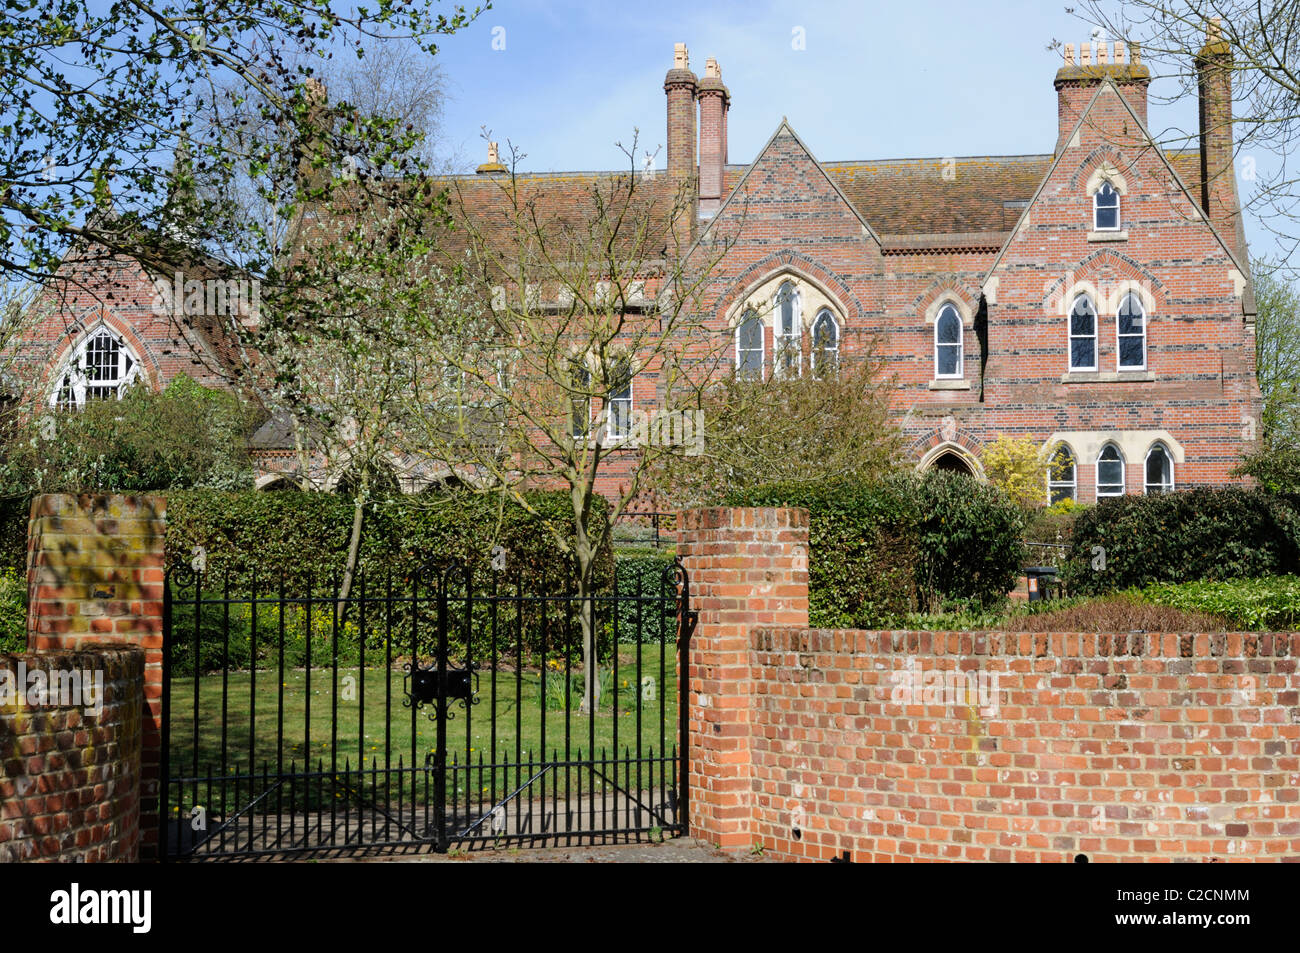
<point>587,621</point>
<point>354,545</point>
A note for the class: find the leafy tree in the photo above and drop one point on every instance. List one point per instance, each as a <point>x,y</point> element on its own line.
<point>792,429</point>
<point>1019,467</point>
<point>1275,462</point>
<point>523,347</point>
<point>99,97</point>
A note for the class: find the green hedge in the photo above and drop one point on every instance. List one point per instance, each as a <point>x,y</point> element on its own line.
<point>14,513</point>
<point>13,611</point>
<point>304,536</point>
<point>879,551</point>
<point>641,573</point>
<point>1212,534</point>
<point>1269,603</point>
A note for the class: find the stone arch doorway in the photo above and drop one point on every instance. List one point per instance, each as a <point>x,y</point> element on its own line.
<point>953,458</point>
<point>952,463</point>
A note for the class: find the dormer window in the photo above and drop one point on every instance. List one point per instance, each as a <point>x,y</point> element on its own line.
<point>1105,209</point>
<point>100,368</point>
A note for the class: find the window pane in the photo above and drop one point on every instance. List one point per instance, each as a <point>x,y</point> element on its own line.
<point>786,298</point>
<point>1110,473</point>
<point>1061,492</point>
<point>1107,217</point>
<point>949,327</point>
<point>1130,352</point>
<point>824,332</point>
<point>1083,321</point>
<point>1083,352</point>
<point>948,355</point>
<point>1159,477</point>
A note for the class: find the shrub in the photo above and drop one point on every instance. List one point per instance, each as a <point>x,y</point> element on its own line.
<point>1271,603</point>
<point>1225,533</point>
<point>13,612</point>
<point>1124,612</point>
<point>1018,467</point>
<point>303,537</point>
<point>184,436</point>
<point>641,572</point>
<point>862,549</point>
<point>223,639</point>
<point>969,544</point>
<point>877,551</point>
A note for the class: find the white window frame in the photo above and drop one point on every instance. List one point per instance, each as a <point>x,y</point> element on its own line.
<point>813,349</point>
<point>960,344</point>
<point>1070,336</point>
<point>580,404</point>
<point>615,399</point>
<point>1118,351</point>
<point>1169,458</point>
<point>1096,205</point>
<point>786,345</point>
<point>745,318</point>
<point>1123,469</point>
<point>73,372</point>
<point>1072,484</point>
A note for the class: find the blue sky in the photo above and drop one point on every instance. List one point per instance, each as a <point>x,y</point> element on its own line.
<point>912,79</point>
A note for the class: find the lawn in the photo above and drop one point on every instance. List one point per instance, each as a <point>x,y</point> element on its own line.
<point>288,721</point>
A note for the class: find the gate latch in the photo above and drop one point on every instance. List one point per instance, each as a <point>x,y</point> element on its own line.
<point>427,687</point>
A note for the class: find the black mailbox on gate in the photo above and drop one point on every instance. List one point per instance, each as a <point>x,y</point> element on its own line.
<point>1041,581</point>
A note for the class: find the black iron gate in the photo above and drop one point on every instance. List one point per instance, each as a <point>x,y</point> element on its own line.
<point>420,713</point>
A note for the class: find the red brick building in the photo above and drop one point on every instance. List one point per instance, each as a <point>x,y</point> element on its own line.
<point>1094,299</point>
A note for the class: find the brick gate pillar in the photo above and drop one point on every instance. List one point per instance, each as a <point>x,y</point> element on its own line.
<point>95,566</point>
<point>747,567</point>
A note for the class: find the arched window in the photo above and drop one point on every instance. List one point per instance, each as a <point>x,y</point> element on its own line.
<point>1159,470</point>
<point>948,343</point>
<point>1110,472</point>
<point>101,367</point>
<point>788,333</point>
<point>825,343</point>
<point>1105,208</point>
<point>1083,335</point>
<point>749,346</point>
<point>1131,327</point>
<point>1062,476</point>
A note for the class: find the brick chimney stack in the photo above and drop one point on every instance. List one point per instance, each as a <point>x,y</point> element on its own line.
<point>714,103</point>
<point>1218,181</point>
<point>1078,78</point>
<point>680,85</point>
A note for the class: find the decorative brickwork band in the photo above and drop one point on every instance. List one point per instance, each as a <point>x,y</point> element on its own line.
<point>748,567</point>
<point>95,567</point>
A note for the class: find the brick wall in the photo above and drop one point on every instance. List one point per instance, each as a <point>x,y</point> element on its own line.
<point>902,746</point>
<point>747,567</point>
<point>95,575</point>
<point>70,773</point>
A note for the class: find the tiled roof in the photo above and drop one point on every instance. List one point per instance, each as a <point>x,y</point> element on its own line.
<point>915,199</point>
<point>974,201</point>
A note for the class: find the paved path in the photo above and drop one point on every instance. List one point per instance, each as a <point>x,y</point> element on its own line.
<point>680,850</point>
